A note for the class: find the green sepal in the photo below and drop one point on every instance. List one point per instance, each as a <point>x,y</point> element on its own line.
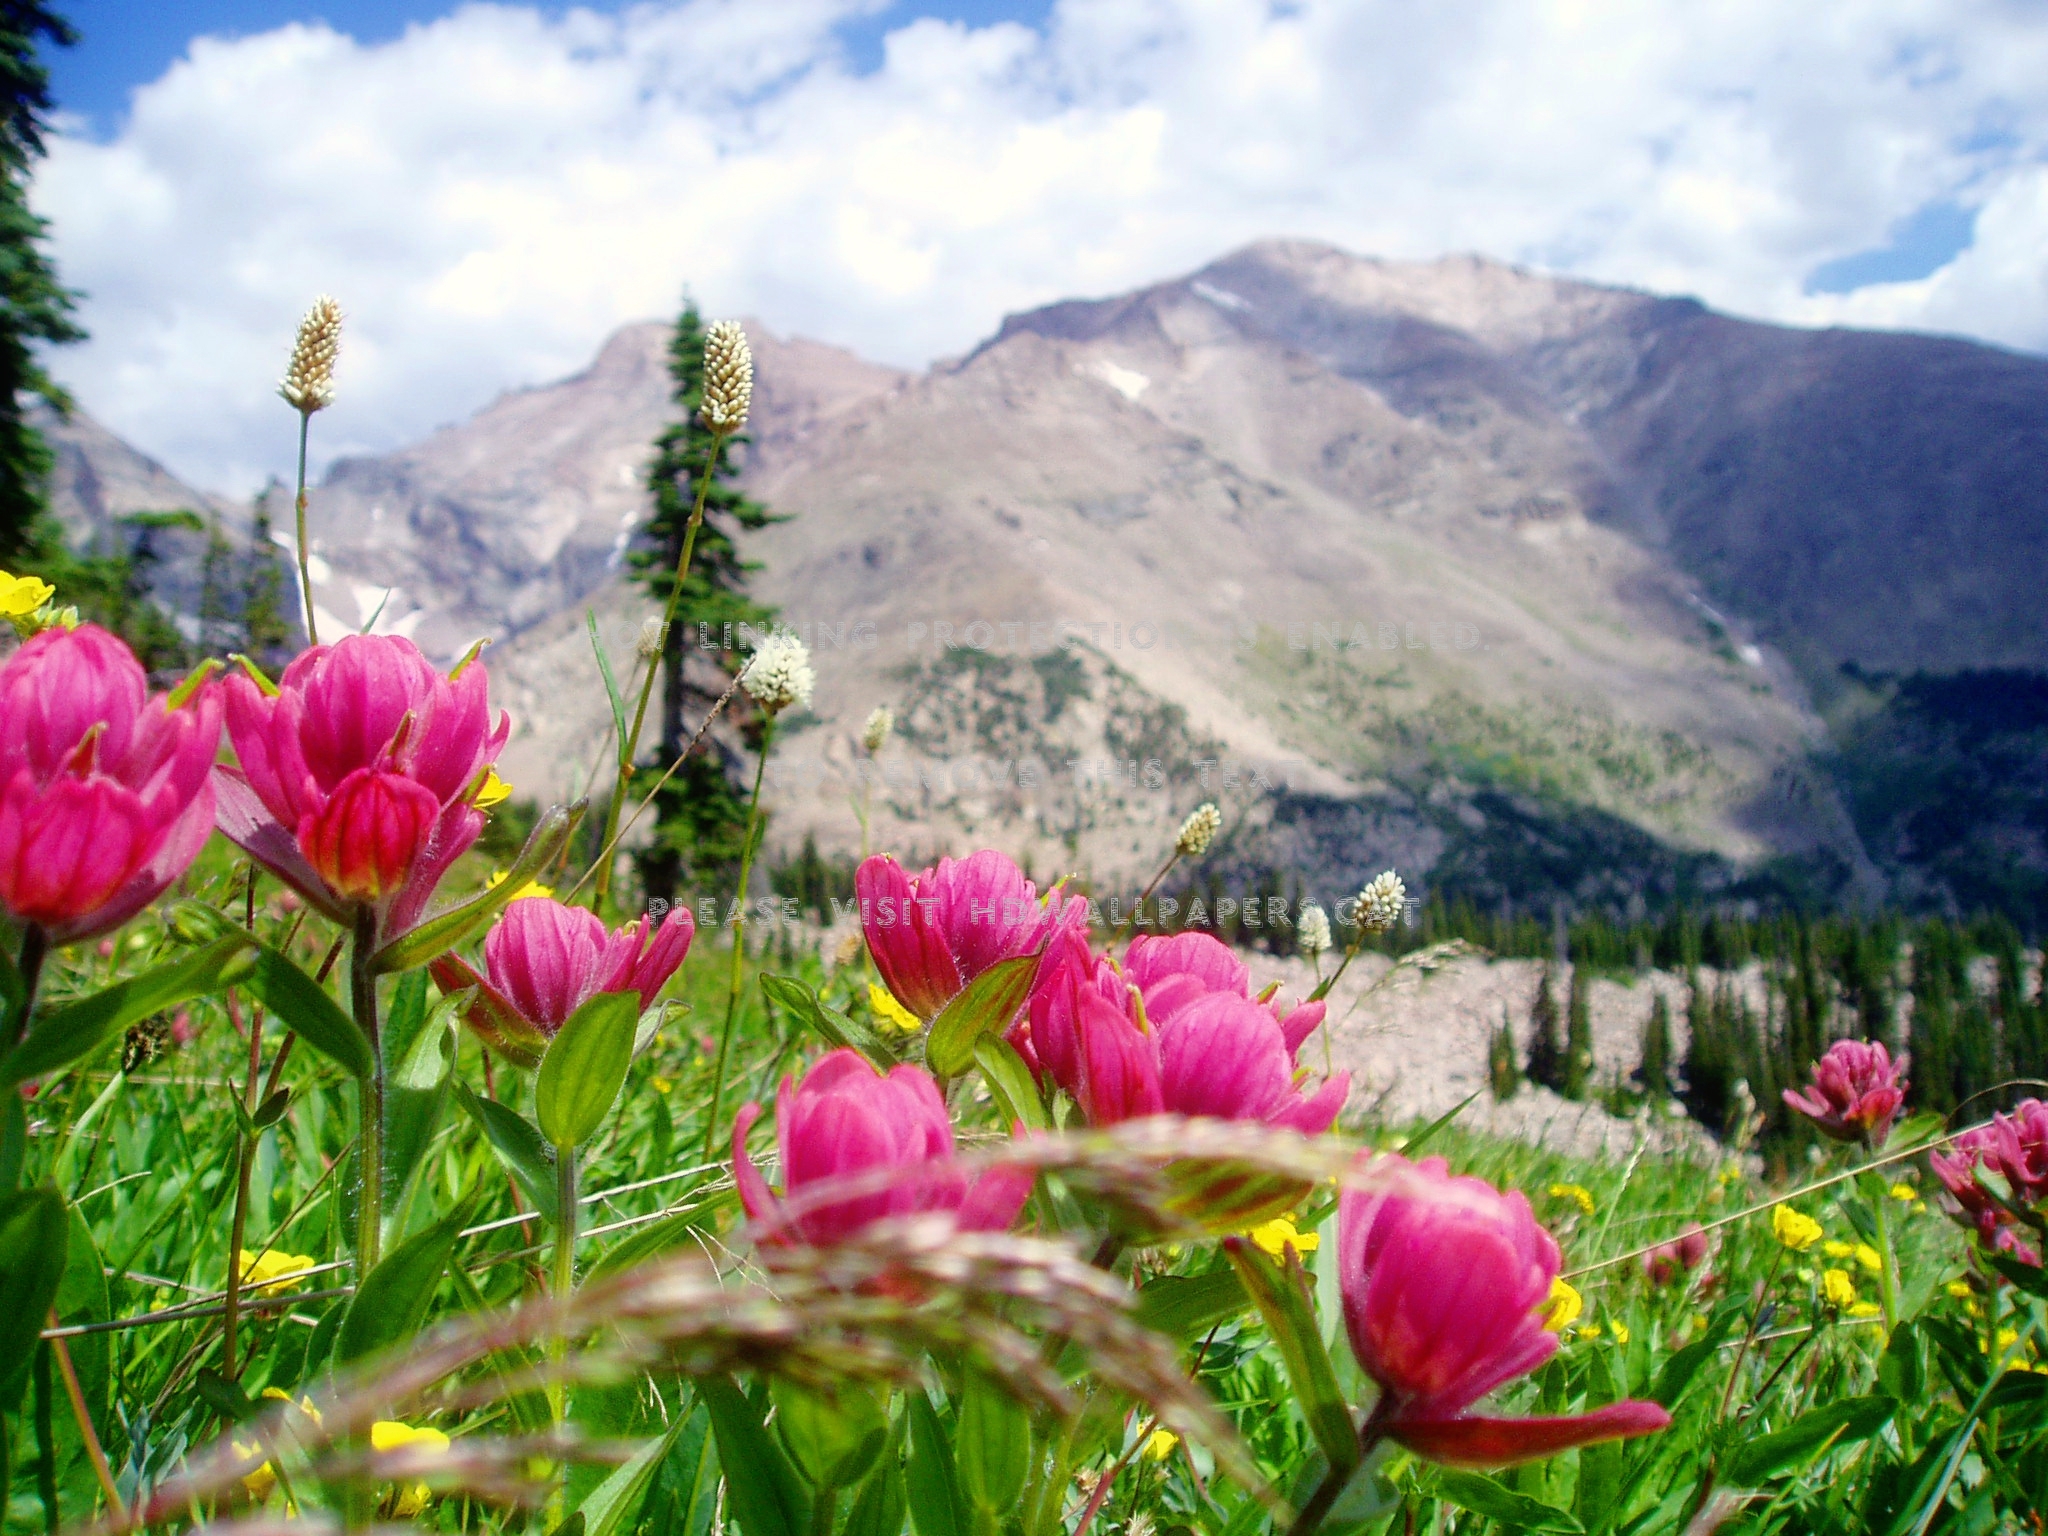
<point>1010,1081</point>
<point>827,1023</point>
<point>984,1006</point>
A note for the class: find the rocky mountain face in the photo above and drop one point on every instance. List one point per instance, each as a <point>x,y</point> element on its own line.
<point>1535,588</point>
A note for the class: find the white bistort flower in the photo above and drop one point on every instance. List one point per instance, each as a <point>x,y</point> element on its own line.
<point>780,673</point>
<point>1381,903</point>
<point>875,734</point>
<point>1312,929</point>
<point>1198,831</point>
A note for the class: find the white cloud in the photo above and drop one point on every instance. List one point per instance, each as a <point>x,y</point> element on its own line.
<point>492,193</point>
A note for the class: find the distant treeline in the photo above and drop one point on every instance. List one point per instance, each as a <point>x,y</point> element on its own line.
<point>1963,997</point>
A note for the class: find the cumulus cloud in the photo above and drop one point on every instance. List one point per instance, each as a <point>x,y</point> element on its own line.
<point>492,193</point>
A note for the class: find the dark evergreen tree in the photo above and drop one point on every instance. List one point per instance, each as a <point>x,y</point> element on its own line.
<point>1653,1069</point>
<point>701,813</point>
<point>1546,1050</point>
<point>1503,1074</point>
<point>1578,1035</point>
<point>34,307</point>
<point>268,635</point>
<point>217,592</point>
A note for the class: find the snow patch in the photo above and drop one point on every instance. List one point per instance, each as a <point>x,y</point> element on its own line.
<point>1127,382</point>
<point>1222,298</point>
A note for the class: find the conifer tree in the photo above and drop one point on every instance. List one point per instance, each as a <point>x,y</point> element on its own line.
<point>1546,1052</point>
<point>267,635</point>
<point>34,307</point>
<point>1653,1071</point>
<point>1578,1037</point>
<point>1503,1075</point>
<point>216,592</point>
<point>701,813</point>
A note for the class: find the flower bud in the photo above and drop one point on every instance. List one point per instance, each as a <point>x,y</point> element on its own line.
<point>308,383</point>
<point>1198,831</point>
<point>728,378</point>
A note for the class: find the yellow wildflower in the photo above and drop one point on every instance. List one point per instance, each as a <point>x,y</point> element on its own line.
<point>1578,1194</point>
<point>1588,1330</point>
<point>1862,1253</point>
<point>493,791</point>
<point>664,1084</point>
<point>390,1435</point>
<point>1160,1443</point>
<point>1906,1194</point>
<point>1866,1309</point>
<point>531,888</point>
<point>1562,1307</point>
<point>1729,1174</point>
<point>1620,1331</point>
<point>21,596</point>
<point>1795,1231</point>
<point>1958,1290</point>
<point>270,1272</point>
<point>1279,1235</point>
<point>1839,1289</point>
<point>260,1481</point>
<point>887,1009</point>
<point>278,1394</point>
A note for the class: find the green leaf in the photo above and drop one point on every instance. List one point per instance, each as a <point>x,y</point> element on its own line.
<point>828,1024</point>
<point>390,1303</point>
<point>1517,1511</point>
<point>35,1230</point>
<point>617,1500</point>
<point>1600,1466</point>
<point>991,1444</point>
<point>1184,1306</point>
<point>832,1433</point>
<point>657,1237</point>
<point>313,1016</point>
<point>1848,1420</point>
<point>763,1491</point>
<point>685,1496</point>
<point>12,990</point>
<point>82,1298</point>
<point>1010,1081</point>
<point>624,747</point>
<point>437,935</point>
<point>415,1094</point>
<point>2028,1277</point>
<point>936,1508</point>
<point>585,1067</point>
<point>521,1148</point>
<point>1677,1372</point>
<point>73,1032</point>
<point>406,1016</point>
<point>271,1110</point>
<point>223,1397</point>
<point>881,1502</point>
<point>1428,1133</point>
<point>985,1006</point>
<point>1291,1319</point>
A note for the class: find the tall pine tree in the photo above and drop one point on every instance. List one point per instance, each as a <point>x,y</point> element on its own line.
<point>34,307</point>
<point>701,812</point>
<point>1546,1052</point>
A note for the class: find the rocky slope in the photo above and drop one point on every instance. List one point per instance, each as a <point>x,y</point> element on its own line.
<point>1526,582</point>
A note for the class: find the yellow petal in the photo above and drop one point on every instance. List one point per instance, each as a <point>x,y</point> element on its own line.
<point>1160,1443</point>
<point>390,1435</point>
<point>1562,1307</point>
<point>1839,1289</point>
<point>493,791</point>
<point>883,1001</point>
<point>1794,1230</point>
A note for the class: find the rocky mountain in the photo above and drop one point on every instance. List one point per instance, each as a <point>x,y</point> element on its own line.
<point>1534,587</point>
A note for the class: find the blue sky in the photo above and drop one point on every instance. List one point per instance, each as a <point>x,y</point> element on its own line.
<point>128,43</point>
<point>491,190</point>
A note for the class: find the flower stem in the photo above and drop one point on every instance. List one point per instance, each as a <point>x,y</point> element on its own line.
<point>86,1432</point>
<point>565,1269</point>
<point>35,944</point>
<point>246,1162</point>
<point>305,564</point>
<point>1332,1487</point>
<point>370,1145</point>
<point>1887,1273</point>
<point>629,749</point>
<point>739,942</point>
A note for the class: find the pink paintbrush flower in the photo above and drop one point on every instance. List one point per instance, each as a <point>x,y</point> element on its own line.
<point>846,1119</point>
<point>933,932</point>
<point>1444,1282</point>
<point>545,959</point>
<point>1856,1092</point>
<point>105,796</point>
<point>2015,1148</point>
<point>1176,1031</point>
<point>1678,1258</point>
<point>358,776</point>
